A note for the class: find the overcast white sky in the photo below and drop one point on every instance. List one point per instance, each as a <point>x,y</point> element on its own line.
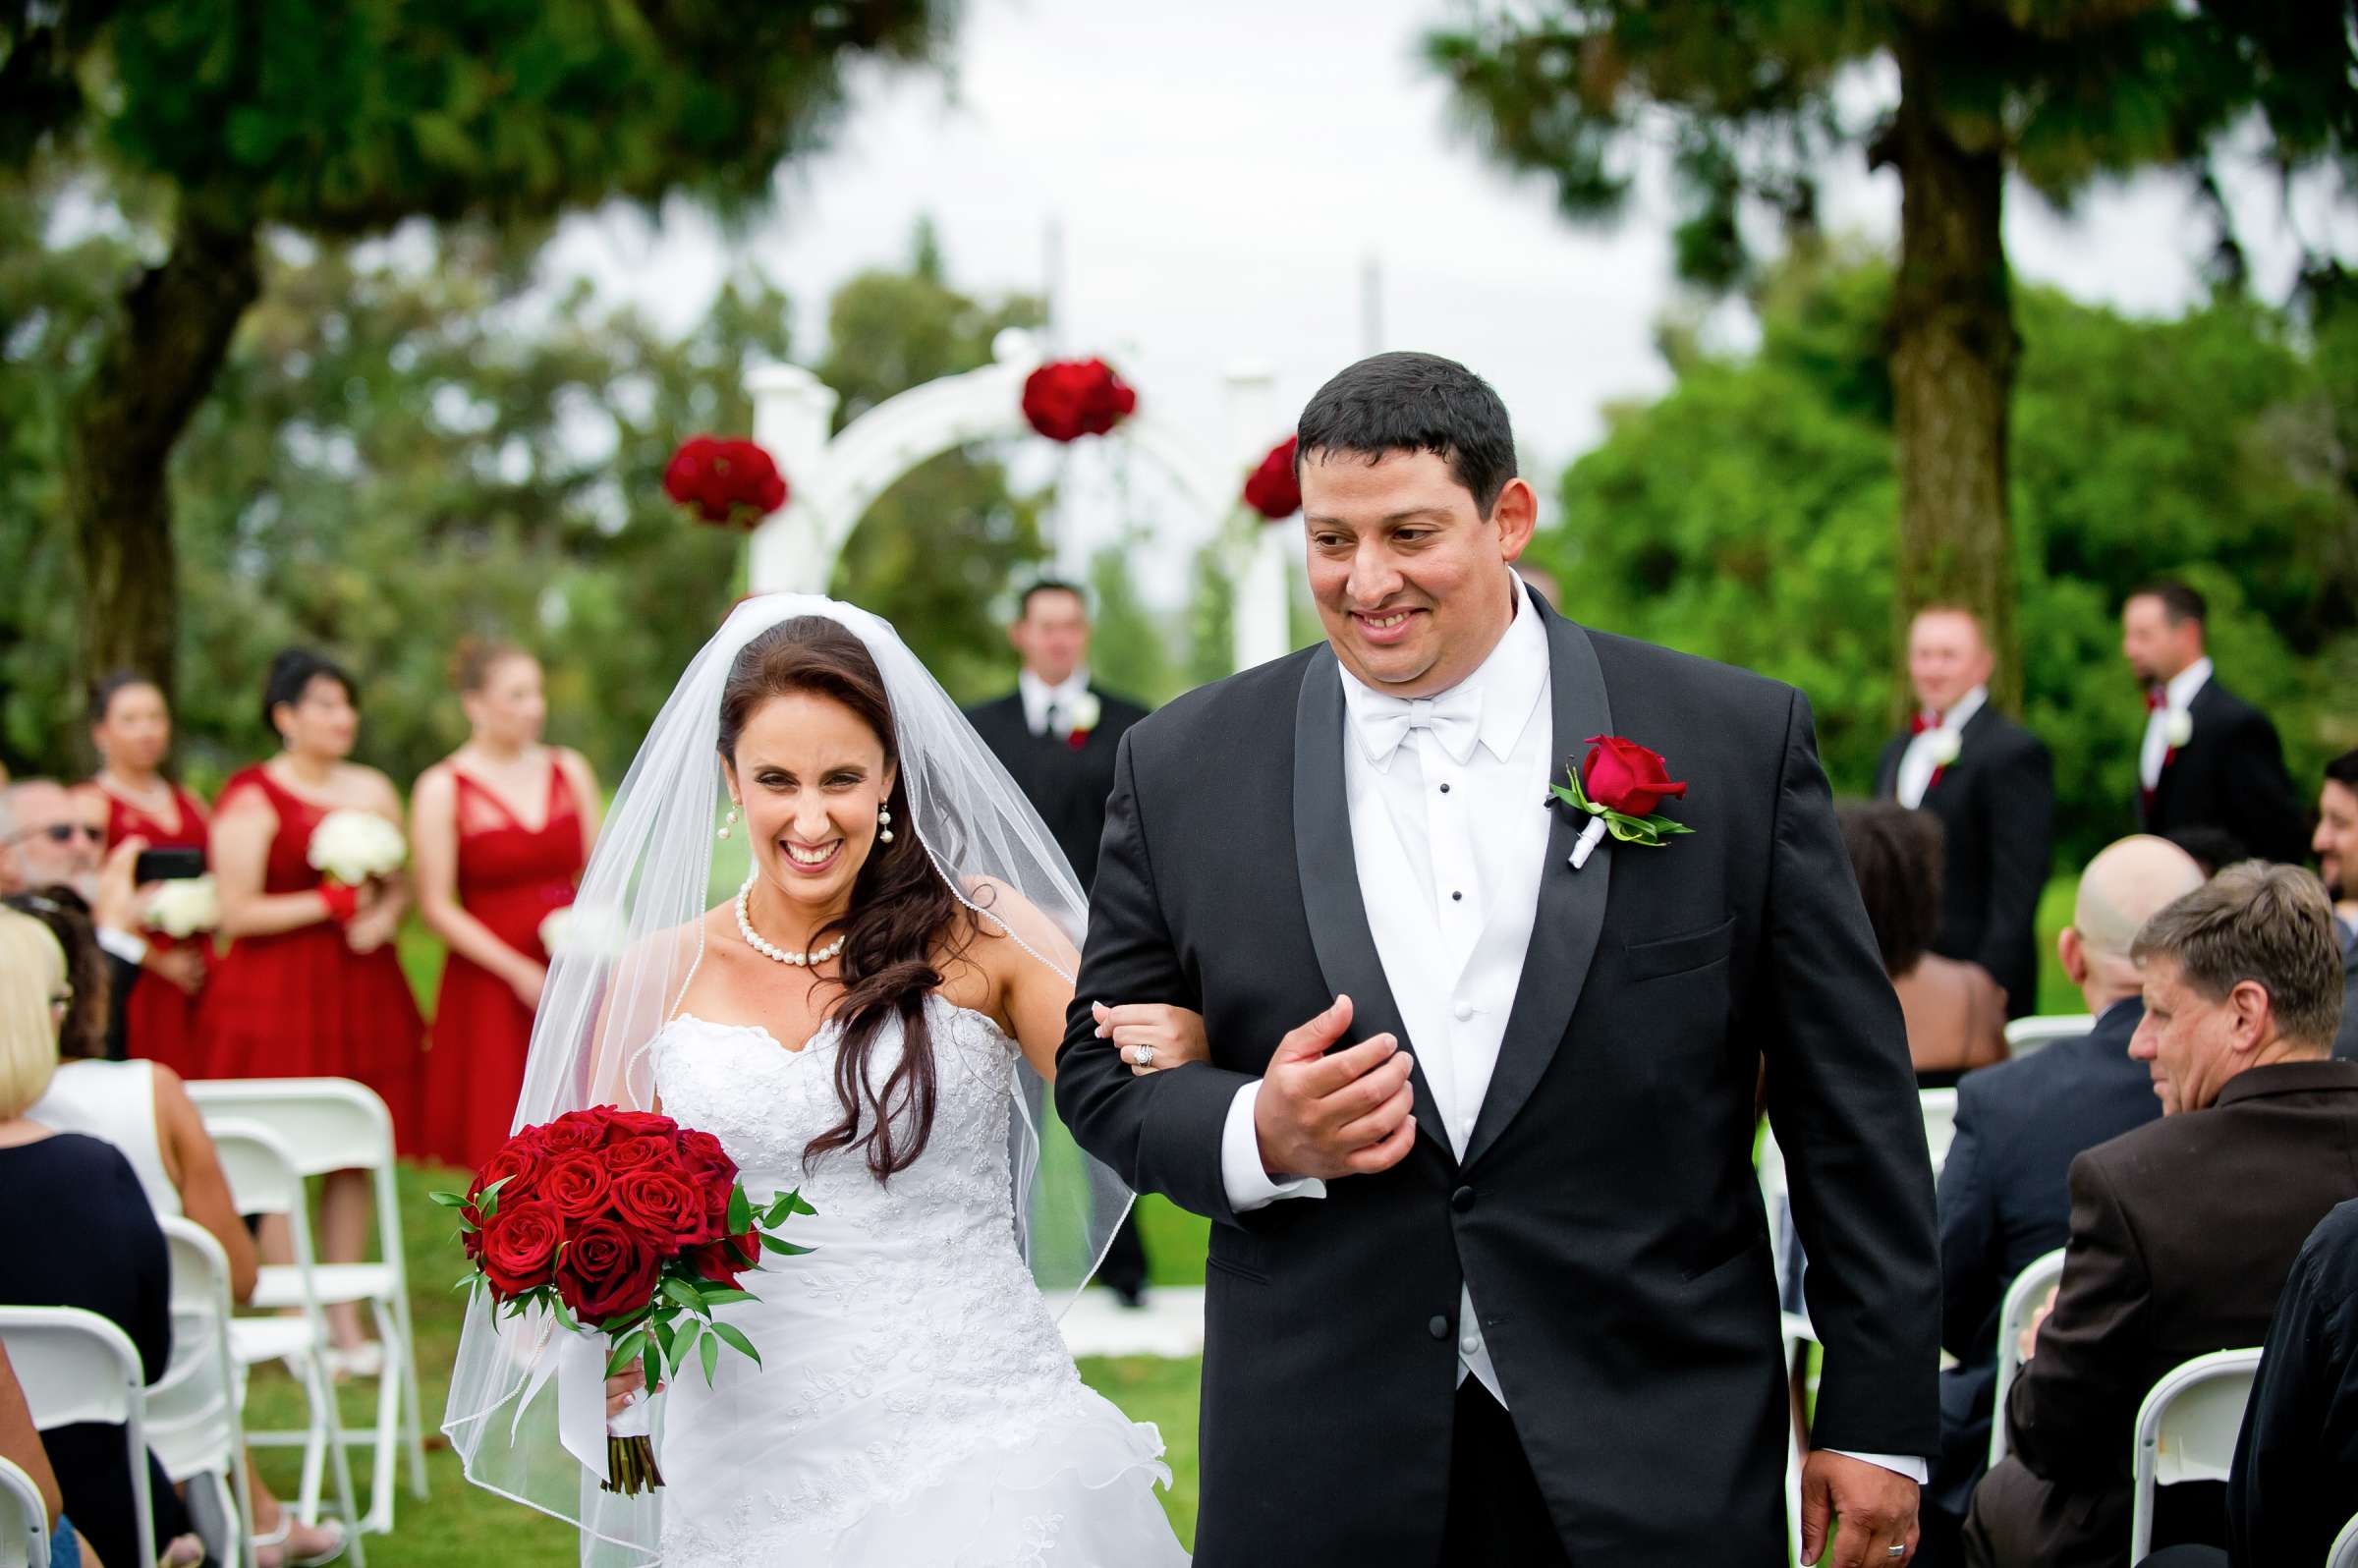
<point>1219,173</point>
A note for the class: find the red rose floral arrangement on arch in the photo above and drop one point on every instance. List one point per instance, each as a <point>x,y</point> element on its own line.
<point>725,481</point>
<point>1065,400</point>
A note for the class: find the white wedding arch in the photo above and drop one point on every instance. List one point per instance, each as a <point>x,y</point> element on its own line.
<point>832,481</point>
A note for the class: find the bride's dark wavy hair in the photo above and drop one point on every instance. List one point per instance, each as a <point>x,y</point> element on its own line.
<point>903,913</point>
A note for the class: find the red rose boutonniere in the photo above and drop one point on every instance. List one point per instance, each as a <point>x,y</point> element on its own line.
<point>1624,784</point>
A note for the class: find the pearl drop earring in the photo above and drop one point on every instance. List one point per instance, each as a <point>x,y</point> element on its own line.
<point>883,825</point>
<point>729,820</point>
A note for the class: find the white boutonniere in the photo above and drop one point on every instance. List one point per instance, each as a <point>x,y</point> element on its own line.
<point>2178,728</point>
<point>1945,745</point>
<point>1087,711</point>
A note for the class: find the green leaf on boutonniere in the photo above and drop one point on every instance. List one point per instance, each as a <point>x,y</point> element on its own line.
<point>1626,829</point>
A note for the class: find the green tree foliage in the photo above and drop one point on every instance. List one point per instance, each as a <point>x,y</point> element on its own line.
<point>345,120</point>
<point>936,551</point>
<point>1745,516</point>
<point>2059,93</point>
<point>1127,651</point>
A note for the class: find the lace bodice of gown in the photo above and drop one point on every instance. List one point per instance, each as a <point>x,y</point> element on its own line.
<point>911,1366</point>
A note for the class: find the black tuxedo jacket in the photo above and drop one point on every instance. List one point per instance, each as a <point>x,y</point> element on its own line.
<point>2229,776</point>
<point>2183,1235</point>
<point>1066,784</point>
<point>2004,1201</point>
<point>1996,805</point>
<point>1605,1214</point>
<point>2295,1481</point>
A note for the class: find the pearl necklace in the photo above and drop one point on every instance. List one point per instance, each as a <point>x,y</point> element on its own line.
<point>753,940</point>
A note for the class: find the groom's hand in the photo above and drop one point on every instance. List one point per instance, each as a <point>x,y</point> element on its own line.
<point>1875,1507</point>
<point>1348,1114</point>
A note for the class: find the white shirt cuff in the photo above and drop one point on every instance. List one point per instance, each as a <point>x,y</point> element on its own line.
<point>1907,1465</point>
<point>1249,1186</point>
<point>124,946</point>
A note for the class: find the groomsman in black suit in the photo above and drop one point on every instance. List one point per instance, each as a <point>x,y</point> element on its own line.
<point>2335,845</point>
<point>2208,758</point>
<point>1058,735</point>
<point>1992,784</point>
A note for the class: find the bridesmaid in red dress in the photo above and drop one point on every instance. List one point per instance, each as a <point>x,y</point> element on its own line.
<point>311,984</point>
<point>501,829</point>
<point>131,725</point>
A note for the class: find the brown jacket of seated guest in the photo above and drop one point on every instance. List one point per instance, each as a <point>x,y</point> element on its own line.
<point>1956,1017</point>
<point>2182,1234</point>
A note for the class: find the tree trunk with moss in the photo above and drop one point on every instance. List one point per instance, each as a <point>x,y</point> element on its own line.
<point>1953,356</point>
<point>154,370</point>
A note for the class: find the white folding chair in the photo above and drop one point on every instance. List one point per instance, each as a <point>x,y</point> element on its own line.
<point>331,1124</point>
<point>196,1426</point>
<point>24,1521</point>
<point>1939,1107</point>
<point>2022,1299</point>
<point>2344,1553</point>
<point>78,1366</point>
<point>2027,1035</point>
<point>263,1180</point>
<point>2186,1431</point>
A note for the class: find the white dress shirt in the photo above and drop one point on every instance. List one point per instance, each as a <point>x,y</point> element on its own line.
<point>2176,696</point>
<point>1048,710</point>
<point>1449,828</point>
<point>1922,760</point>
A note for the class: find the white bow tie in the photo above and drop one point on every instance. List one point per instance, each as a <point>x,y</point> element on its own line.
<point>1453,719</point>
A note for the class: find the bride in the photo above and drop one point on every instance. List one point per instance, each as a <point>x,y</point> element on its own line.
<point>868,1018</point>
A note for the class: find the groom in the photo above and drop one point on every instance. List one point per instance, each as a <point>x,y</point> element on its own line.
<point>1489,1280</point>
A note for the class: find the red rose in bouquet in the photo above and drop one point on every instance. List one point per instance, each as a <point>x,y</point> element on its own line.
<point>724,481</point>
<point>1067,399</point>
<point>622,1223</point>
<point>519,1248</point>
<point>1272,489</point>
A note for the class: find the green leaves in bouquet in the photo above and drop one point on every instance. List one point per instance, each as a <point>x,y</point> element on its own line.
<point>1626,829</point>
<point>678,1325</point>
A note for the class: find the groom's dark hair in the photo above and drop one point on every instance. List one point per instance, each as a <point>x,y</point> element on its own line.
<point>1413,403</point>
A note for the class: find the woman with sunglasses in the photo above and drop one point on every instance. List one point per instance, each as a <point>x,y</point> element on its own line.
<point>130,727</point>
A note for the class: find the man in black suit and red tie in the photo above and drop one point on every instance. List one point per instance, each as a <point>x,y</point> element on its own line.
<point>1992,784</point>
<point>2208,758</point>
<point>1058,734</point>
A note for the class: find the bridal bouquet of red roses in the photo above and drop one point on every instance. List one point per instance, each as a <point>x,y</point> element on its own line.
<point>623,1223</point>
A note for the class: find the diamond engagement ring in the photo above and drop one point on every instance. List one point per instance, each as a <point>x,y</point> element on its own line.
<point>1142,1055</point>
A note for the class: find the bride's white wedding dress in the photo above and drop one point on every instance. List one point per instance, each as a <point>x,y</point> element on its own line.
<point>916,1405</point>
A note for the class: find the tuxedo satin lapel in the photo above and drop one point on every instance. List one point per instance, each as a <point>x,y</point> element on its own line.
<point>1329,871</point>
<point>1571,915</point>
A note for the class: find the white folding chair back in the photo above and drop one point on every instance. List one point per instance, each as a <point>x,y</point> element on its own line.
<point>263,1180</point>
<point>2345,1547</point>
<point>1939,1107</point>
<point>2023,1297</point>
<point>331,1124</point>
<point>2027,1035</point>
<point>24,1521</point>
<point>196,1424</point>
<point>2186,1431</point>
<point>79,1367</point>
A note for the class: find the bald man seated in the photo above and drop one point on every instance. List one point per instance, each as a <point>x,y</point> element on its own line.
<point>2003,1196</point>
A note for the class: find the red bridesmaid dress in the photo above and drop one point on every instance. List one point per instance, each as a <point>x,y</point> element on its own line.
<point>511,878</point>
<point>299,1003</point>
<point>159,1019</point>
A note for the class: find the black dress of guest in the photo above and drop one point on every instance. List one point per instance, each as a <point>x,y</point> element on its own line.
<point>76,1231</point>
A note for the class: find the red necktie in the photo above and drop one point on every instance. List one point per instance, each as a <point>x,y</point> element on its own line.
<point>2155,698</point>
<point>1917,723</point>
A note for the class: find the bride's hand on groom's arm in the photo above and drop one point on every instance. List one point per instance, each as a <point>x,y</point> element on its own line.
<point>1348,1114</point>
<point>1172,1036</point>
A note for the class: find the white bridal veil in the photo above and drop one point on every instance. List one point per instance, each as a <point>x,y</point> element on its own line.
<point>657,869</point>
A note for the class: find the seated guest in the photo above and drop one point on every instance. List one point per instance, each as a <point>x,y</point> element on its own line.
<point>51,838</point>
<point>70,1196</point>
<point>1956,1014</point>
<point>21,1446</point>
<point>2019,1126</point>
<point>143,1108</point>
<point>2183,1231</point>
<point>2335,845</point>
